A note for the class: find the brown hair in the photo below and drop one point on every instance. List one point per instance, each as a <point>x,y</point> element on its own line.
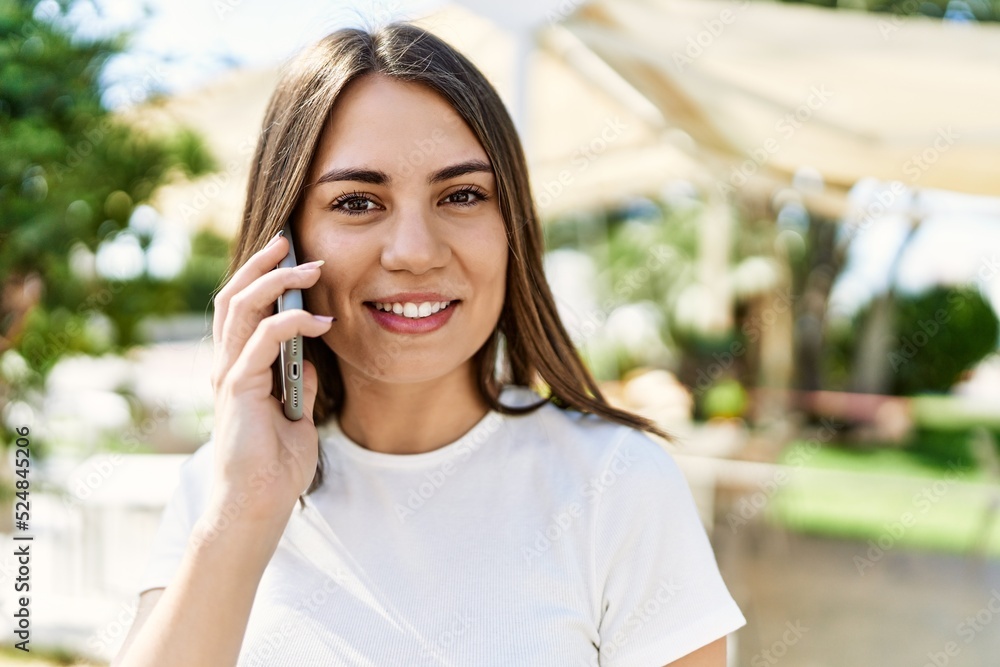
<point>537,351</point>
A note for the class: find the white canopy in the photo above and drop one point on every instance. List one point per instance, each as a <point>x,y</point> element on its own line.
<point>619,97</point>
<point>850,94</point>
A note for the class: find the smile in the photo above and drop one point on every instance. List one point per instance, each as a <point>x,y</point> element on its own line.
<point>413,310</point>
<point>411,318</point>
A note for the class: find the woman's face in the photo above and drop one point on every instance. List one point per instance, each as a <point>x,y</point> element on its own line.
<point>401,197</point>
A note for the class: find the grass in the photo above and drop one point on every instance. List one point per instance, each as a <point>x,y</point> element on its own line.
<point>10,657</point>
<point>888,495</point>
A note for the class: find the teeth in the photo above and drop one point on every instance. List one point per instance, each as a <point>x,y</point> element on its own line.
<point>413,310</point>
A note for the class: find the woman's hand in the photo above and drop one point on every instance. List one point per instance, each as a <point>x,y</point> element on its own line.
<point>263,461</point>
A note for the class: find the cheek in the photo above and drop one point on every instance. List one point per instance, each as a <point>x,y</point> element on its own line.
<point>486,245</point>
<point>319,298</point>
<point>495,259</point>
<point>333,293</point>
<point>489,276</point>
<point>345,260</point>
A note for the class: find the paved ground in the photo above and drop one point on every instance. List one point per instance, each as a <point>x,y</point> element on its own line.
<point>908,609</point>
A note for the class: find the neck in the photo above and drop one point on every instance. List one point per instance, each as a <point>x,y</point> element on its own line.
<point>410,418</point>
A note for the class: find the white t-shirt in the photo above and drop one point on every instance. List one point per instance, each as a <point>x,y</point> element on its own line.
<point>555,539</point>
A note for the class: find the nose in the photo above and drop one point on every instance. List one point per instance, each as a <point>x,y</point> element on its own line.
<point>414,244</point>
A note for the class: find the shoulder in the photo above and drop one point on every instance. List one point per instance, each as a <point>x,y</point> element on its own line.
<point>592,442</point>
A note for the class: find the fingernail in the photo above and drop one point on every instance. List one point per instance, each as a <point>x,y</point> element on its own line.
<point>325,318</point>
<point>311,265</point>
<point>275,239</point>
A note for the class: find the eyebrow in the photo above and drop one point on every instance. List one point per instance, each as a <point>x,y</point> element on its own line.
<point>376,177</point>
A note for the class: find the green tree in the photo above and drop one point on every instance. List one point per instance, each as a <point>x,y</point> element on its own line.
<point>937,335</point>
<point>71,174</point>
<point>978,10</point>
<point>940,334</point>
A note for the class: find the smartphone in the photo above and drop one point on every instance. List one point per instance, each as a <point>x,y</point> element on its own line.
<point>291,350</point>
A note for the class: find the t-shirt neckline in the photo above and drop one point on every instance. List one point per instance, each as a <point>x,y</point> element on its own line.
<point>481,431</point>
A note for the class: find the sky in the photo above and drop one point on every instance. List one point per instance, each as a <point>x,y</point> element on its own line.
<point>179,45</point>
<point>182,44</point>
<point>957,242</point>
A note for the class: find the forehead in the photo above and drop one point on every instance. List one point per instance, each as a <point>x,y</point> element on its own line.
<point>400,127</point>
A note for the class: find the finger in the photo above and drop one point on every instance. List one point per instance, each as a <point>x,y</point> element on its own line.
<point>252,369</point>
<point>248,308</point>
<point>310,387</point>
<point>257,265</point>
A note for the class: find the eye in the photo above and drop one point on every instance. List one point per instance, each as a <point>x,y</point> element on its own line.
<point>470,195</point>
<point>352,203</point>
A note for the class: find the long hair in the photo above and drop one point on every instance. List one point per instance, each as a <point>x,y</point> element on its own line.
<point>533,346</point>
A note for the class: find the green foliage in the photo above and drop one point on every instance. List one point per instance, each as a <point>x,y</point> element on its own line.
<point>204,270</point>
<point>640,254</point>
<point>839,347</point>
<point>71,172</point>
<point>981,10</point>
<point>939,334</point>
<point>650,255</point>
<point>637,258</point>
<point>665,248</point>
<point>879,487</point>
<point>726,399</point>
<point>941,447</point>
<point>71,175</point>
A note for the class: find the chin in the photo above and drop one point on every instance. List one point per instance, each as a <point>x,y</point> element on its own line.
<point>414,374</point>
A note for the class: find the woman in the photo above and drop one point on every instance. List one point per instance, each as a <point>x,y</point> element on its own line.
<point>450,515</point>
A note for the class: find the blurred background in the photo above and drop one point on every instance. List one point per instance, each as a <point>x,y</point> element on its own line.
<point>774,227</point>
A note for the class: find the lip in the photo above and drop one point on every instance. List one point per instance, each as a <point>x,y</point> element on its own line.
<point>404,325</point>
<point>413,297</point>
